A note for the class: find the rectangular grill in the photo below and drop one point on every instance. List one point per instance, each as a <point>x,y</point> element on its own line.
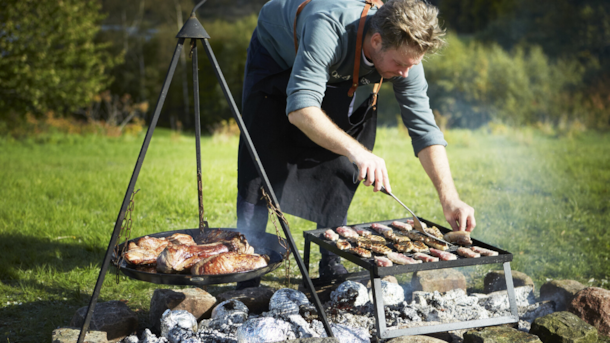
<point>376,273</point>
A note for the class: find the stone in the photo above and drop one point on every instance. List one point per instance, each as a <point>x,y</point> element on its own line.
<point>441,280</point>
<point>496,280</point>
<point>561,292</point>
<point>255,298</point>
<point>70,335</point>
<point>592,305</point>
<point>112,317</point>
<point>194,300</point>
<point>563,327</point>
<point>415,339</point>
<point>499,334</point>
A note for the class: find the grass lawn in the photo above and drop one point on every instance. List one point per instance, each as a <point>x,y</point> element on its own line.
<point>544,199</point>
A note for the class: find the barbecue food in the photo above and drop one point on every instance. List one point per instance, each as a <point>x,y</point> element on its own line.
<point>381,228</point>
<point>233,239</point>
<point>147,249</point>
<point>412,223</point>
<point>399,258</point>
<point>415,236</point>
<point>483,251</point>
<point>228,263</point>
<point>364,243</point>
<point>362,232</point>
<point>435,244</point>
<point>376,239</point>
<point>420,247</point>
<point>434,231</point>
<point>343,244</point>
<point>404,246</point>
<point>331,235</point>
<point>383,261</point>
<point>465,252</point>
<point>380,249</point>
<point>459,237</point>
<point>396,237</point>
<point>424,257</point>
<point>347,232</point>
<point>402,226</point>
<point>177,258</point>
<point>443,255</point>
<point>361,252</point>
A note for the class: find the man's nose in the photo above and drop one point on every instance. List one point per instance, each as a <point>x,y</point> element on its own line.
<point>404,72</point>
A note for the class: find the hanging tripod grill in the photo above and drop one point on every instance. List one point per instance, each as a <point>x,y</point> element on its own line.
<point>193,30</point>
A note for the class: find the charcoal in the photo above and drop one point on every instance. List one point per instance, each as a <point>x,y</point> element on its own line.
<point>286,302</point>
<point>179,335</point>
<point>349,294</point>
<point>266,329</point>
<point>148,337</point>
<point>233,310</point>
<point>392,293</point>
<point>130,339</point>
<point>350,334</point>
<point>177,319</point>
<point>301,327</point>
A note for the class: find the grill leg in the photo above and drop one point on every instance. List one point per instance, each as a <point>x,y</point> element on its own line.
<point>511,290</point>
<point>306,252</point>
<point>378,306</point>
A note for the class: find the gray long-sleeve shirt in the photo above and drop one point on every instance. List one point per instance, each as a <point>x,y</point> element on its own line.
<point>326,34</point>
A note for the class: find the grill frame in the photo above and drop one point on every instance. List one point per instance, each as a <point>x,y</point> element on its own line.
<point>376,273</point>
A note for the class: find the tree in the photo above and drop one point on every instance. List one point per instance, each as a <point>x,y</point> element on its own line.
<point>49,58</point>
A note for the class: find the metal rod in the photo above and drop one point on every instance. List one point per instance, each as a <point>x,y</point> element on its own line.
<point>378,305</point>
<point>197,130</point>
<point>510,289</point>
<point>261,171</point>
<point>132,183</point>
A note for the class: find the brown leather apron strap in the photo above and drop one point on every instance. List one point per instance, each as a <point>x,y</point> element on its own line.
<point>376,89</point>
<point>365,11</point>
<point>301,6</point>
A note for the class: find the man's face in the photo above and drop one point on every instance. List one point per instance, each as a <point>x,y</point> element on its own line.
<point>394,62</point>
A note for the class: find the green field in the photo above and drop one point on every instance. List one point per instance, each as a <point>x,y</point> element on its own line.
<point>543,198</point>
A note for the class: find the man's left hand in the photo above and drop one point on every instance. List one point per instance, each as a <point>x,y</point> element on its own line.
<point>460,215</point>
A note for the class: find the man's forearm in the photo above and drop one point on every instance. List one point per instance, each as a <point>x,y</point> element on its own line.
<point>324,132</point>
<point>436,164</point>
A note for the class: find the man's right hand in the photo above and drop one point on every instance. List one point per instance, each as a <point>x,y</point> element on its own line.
<point>371,169</point>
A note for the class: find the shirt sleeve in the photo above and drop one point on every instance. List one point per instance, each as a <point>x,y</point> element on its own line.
<point>319,48</point>
<point>411,93</point>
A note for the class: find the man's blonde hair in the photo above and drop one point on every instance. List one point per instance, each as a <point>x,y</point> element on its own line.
<point>412,23</point>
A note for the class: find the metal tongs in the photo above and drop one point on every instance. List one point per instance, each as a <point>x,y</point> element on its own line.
<point>416,221</point>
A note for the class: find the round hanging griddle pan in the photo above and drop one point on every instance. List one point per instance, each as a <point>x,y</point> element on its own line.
<point>265,245</point>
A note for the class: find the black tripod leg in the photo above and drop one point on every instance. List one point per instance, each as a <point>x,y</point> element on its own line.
<point>263,175</point>
<point>132,183</point>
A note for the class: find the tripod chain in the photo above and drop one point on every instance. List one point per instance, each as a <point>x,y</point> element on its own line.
<point>125,233</point>
<point>274,213</point>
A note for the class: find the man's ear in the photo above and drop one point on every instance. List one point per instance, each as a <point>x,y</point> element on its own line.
<point>376,41</point>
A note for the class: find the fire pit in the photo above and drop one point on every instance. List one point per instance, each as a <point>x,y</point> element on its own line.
<point>376,273</point>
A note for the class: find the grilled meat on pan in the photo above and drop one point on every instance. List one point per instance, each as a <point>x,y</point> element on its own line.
<point>343,244</point>
<point>331,235</point>
<point>420,247</point>
<point>483,251</point>
<point>415,235</point>
<point>360,252</point>
<point>425,257</point>
<point>458,237</point>
<point>443,255</point>
<point>380,228</point>
<point>383,261</point>
<point>396,237</point>
<point>376,239</point>
<point>177,258</point>
<point>362,232</point>
<point>399,258</point>
<point>465,252</point>
<point>347,232</point>
<point>404,227</point>
<point>404,246</point>
<point>435,244</point>
<point>364,243</point>
<point>139,256</point>
<point>434,231</point>
<point>228,263</point>
<point>380,249</point>
<point>147,249</point>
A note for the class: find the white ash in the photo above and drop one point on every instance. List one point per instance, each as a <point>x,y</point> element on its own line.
<point>232,309</point>
<point>349,293</point>
<point>347,334</point>
<point>265,329</point>
<point>392,293</point>
<point>177,325</point>
<point>287,301</point>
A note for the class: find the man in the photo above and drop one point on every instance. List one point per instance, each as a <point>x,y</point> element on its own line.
<point>298,106</point>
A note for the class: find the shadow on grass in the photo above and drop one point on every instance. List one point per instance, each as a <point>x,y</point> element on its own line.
<point>24,253</point>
